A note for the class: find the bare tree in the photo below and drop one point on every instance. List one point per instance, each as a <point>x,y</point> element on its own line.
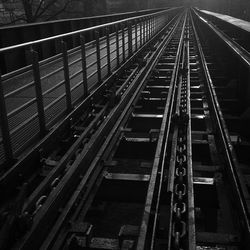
<point>31,11</point>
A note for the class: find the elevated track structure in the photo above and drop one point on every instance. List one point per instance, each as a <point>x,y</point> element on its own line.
<point>137,139</point>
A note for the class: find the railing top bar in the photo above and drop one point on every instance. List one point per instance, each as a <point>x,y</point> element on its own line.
<point>22,45</point>
<point>79,19</point>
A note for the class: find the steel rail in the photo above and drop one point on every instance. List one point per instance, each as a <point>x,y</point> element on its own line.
<point>67,156</point>
<point>191,206</point>
<point>38,192</point>
<point>10,177</point>
<point>93,168</point>
<point>176,99</point>
<point>58,196</point>
<point>160,150</point>
<point>182,111</point>
<point>233,170</point>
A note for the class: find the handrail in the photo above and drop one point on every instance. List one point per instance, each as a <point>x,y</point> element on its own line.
<point>78,19</point>
<point>72,33</point>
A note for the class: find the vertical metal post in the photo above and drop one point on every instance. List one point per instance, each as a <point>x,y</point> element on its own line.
<point>151,26</point>
<point>136,36</point>
<point>144,30</point>
<point>98,57</point>
<point>5,125</point>
<point>84,66</point>
<point>130,39</point>
<point>117,45</point>
<point>39,94</point>
<point>149,20</point>
<point>147,29</point>
<point>108,51</point>
<point>66,75</point>
<point>140,32</point>
<point>123,43</point>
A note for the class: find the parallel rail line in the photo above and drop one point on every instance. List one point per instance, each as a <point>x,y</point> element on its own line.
<point>144,162</point>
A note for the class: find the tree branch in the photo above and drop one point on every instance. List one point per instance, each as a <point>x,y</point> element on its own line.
<point>60,11</point>
<point>38,8</point>
<point>45,8</point>
<point>34,10</point>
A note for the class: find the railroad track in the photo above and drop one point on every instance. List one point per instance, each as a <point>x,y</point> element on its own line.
<point>146,162</point>
<point>84,128</point>
<point>231,109</point>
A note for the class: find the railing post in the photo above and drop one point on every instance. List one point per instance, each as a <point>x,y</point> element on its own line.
<point>66,75</point>
<point>136,36</point>
<point>98,56</point>
<point>144,30</point>
<point>108,50</point>
<point>117,45</point>
<point>130,39</point>
<point>147,29</point>
<point>84,66</point>
<point>151,26</point>
<point>39,94</point>
<point>153,18</point>
<point>140,32</point>
<point>123,43</point>
<point>5,126</point>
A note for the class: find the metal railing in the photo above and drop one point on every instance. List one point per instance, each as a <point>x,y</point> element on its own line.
<point>34,98</point>
<point>17,34</point>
